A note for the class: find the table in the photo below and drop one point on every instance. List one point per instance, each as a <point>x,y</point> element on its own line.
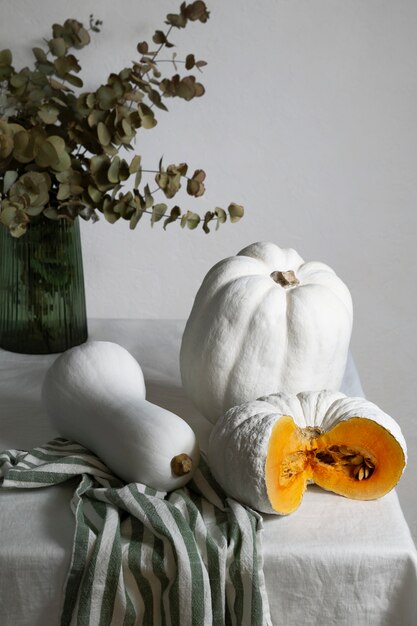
<point>333,562</point>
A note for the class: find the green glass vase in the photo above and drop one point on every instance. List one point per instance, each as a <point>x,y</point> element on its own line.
<point>42,297</point>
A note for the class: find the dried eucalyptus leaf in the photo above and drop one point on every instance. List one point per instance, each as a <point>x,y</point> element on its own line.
<point>197,11</point>
<point>159,37</point>
<point>142,47</point>
<point>108,211</point>
<point>106,98</point>
<point>24,147</point>
<point>74,80</point>
<point>193,220</point>
<point>48,114</point>
<point>134,96</point>
<point>113,172</point>
<point>199,176</point>
<point>158,212</point>
<point>189,61</point>
<point>183,168</point>
<point>124,172</point>
<point>173,216</point>
<point>55,84</point>
<point>14,217</point>
<point>6,145</point>
<point>127,129</point>
<point>98,163</point>
<point>35,95</point>
<point>82,38</point>
<point>95,117</point>
<point>64,191</point>
<point>236,212</point>
<point>185,89</point>
<point>179,21</point>
<point>5,58</point>
<point>32,211</point>
<point>40,55</point>
<point>120,208</point>
<point>62,66</point>
<point>62,160</point>
<point>135,219</point>
<point>154,97</point>
<point>90,100</point>
<point>139,201</point>
<point>147,116</point>
<point>47,69</point>
<point>115,191</point>
<point>207,219</point>
<point>51,213</point>
<point>19,80</point>
<point>103,133</point>
<point>221,216</point>
<point>148,197</point>
<point>34,187</point>
<point>199,90</point>
<point>135,164</point>
<point>57,46</point>
<point>9,178</point>
<point>138,177</point>
<point>195,185</point>
<point>95,194</point>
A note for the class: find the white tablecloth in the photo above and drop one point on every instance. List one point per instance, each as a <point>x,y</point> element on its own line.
<point>333,562</point>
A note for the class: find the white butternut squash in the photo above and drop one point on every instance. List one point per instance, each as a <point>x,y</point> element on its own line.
<point>95,394</point>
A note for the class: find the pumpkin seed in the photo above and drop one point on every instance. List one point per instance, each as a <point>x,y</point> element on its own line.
<point>354,464</point>
<point>360,475</point>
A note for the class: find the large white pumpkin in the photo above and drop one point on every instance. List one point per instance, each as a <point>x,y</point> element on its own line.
<point>264,321</point>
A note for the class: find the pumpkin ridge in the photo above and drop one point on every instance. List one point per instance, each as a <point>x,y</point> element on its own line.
<point>337,288</point>
<point>229,399</point>
<point>261,251</point>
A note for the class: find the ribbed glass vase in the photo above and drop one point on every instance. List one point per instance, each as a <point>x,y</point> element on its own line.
<point>42,297</point>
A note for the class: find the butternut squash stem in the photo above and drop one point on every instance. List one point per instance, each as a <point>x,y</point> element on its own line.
<point>181,464</point>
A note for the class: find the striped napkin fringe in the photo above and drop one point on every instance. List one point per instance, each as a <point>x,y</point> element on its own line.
<point>192,557</point>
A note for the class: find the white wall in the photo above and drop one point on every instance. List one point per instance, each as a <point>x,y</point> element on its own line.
<point>309,121</point>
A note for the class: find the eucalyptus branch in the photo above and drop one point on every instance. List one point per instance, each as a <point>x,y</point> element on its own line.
<point>166,35</point>
<point>59,150</point>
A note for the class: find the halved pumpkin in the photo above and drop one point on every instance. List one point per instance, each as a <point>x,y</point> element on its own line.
<point>264,453</point>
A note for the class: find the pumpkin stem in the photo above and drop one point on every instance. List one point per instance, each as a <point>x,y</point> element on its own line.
<point>285,279</point>
<point>310,433</point>
<point>181,464</point>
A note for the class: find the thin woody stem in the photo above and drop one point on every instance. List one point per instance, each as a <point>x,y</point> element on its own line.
<point>162,45</point>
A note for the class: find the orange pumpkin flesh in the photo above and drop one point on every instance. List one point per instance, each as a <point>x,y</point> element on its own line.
<point>357,458</point>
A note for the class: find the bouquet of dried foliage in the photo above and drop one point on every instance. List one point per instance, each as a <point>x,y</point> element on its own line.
<point>60,145</point>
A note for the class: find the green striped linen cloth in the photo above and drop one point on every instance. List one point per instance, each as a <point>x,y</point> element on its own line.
<point>188,558</point>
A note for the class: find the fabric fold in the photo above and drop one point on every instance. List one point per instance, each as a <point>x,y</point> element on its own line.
<point>141,556</point>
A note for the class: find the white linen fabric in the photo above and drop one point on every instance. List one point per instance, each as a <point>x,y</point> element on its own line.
<point>140,555</point>
<point>334,561</point>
